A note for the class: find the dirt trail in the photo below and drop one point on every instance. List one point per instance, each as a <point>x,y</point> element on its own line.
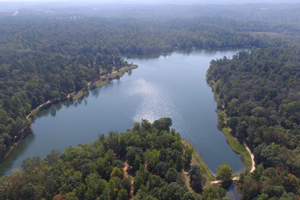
<point>219,181</point>
<point>252,161</point>
<point>125,170</point>
<point>251,155</point>
<point>126,175</point>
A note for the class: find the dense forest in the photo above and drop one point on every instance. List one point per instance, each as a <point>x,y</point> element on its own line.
<point>154,162</point>
<point>258,91</point>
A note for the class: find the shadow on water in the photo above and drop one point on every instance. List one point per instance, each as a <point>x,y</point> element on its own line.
<point>233,193</point>
<point>129,72</point>
<point>95,92</point>
<point>9,162</point>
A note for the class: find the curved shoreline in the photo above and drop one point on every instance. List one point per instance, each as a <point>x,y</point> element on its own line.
<point>235,145</point>
<point>196,158</point>
<point>98,83</point>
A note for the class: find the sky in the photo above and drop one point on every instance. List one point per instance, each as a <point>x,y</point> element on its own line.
<point>164,1</point>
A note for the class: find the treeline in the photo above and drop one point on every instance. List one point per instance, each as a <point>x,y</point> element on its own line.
<point>258,95</point>
<point>276,18</point>
<point>145,162</point>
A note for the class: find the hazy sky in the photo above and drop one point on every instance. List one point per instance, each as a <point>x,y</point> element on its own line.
<point>163,1</point>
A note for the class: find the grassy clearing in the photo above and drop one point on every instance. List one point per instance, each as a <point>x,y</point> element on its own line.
<point>197,159</point>
<point>125,69</point>
<point>78,95</point>
<point>239,148</point>
<point>184,179</point>
<point>101,82</point>
<point>104,80</point>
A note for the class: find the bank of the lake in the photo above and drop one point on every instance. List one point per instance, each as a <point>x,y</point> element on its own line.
<point>172,86</point>
<point>103,80</point>
<point>232,141</point>
<point>198,160</point>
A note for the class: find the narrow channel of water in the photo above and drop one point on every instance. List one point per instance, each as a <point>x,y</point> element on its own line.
<point>163,86</point>
<point>232,193</point>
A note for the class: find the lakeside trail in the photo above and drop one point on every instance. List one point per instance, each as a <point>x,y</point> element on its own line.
<point>251,155</point>
<point>236,178</point>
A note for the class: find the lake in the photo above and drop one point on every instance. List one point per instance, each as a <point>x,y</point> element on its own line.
<point>172,86</point>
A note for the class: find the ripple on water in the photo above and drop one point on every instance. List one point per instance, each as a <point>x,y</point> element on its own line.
<point>156,102</point>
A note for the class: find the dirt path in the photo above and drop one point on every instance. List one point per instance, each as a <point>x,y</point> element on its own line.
<point>219,181</point>
<point>126,175</point>
<point>125,170</point>
<point>251,155</point>
<point>252,161</point>
<point>44,104</point>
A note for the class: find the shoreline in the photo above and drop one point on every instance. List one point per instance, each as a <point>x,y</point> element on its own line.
<point>235,145</point>
<point>98,83</point>
<point>197,159</point>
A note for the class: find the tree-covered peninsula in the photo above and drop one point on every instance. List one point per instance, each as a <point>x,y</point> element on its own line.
<point>146,162</point>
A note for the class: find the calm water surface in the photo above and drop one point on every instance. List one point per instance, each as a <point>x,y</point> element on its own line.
<point>163,86</point>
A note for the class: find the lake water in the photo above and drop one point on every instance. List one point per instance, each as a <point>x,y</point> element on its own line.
<point>233,192</point>
<point>163,86</point>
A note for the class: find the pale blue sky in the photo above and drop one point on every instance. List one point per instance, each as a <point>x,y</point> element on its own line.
<point>164,1</point>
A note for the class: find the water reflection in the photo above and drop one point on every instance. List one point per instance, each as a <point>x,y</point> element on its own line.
<point>9,164</point>
<point>53,111</point>
<point>95,92</point>
<point>129,72</point>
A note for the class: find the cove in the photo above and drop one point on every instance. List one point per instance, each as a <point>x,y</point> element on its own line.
<point>172,86</point>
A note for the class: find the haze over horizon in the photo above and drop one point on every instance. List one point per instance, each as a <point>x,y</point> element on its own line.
<point>156,1</point>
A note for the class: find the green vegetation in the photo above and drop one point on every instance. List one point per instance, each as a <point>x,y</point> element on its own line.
<point>239,148</point>
<point>224,172</point>
<point>78,95</point>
